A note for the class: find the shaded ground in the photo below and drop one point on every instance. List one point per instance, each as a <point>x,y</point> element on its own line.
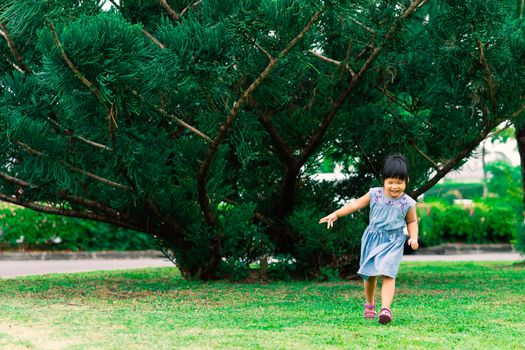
<point>12,268</point>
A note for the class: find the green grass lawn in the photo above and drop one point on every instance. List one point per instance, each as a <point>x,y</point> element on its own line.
<point>437,306</point>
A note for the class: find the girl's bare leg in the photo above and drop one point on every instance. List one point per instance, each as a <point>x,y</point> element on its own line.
<point>370,289</point>
<point>387,291</point>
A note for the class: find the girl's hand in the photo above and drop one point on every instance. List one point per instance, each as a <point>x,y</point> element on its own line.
<point>329,220</point>
<point>413,243</point>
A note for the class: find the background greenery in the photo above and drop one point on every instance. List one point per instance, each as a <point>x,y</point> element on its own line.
<point>494,218</point>
<point>438,305</point>
<point>25,229</point>
<point>480,222</point>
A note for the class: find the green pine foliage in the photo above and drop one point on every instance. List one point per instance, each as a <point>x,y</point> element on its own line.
<point>203,122</point>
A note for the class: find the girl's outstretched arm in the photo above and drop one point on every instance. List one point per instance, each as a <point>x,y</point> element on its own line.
<point>413,230</point>
<point>347,209</point>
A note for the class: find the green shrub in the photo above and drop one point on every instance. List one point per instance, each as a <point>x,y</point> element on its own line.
<point>499,224</point>
<point>243,242</point>
<point>520,239</point>
<point>483,222</point>
<point>324,251</point>
<point>461,224</point>
<point>506,184</point>
<point>495,219</point>
<point>283,268</point>
<point>431,223</point>
<point>25,229</point>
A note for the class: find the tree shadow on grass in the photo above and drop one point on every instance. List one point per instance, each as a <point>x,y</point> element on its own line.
<point>164,283</point>
<point>104,284</point>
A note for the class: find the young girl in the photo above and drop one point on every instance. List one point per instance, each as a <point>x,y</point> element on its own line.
<point>384,238</point>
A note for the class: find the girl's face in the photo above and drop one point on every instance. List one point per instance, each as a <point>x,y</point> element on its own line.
<point>394,188</point>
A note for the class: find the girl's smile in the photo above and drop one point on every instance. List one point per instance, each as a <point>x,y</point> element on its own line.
<point>394,188</point>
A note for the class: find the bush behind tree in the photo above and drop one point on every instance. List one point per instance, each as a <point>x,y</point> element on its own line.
<point>24,229</point>
<point>495,219</point>
<point>482,222</point>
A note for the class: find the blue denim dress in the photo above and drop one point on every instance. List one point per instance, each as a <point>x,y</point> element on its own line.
<point>384,238</point>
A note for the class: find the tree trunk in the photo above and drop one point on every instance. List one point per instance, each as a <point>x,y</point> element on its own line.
<point>520,139</point>
<point>484,165</point>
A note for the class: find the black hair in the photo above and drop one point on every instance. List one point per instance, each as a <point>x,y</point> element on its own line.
<point>395,166</point>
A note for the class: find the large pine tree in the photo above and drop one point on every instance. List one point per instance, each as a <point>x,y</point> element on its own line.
<point>203,122</point>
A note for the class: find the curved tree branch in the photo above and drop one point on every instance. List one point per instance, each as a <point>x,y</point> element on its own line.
<point>80,138</point>
<point>87,203</point>
<point>152,38</point>
<point>115,4</point>
<point>288,188</point>
<point>34,152</point>
<point>175,232</point>
<point>99,178</point>
<point>171,12</point>
<point>109,107</point>
<point>488,73</point>
<point>446,168</point>
<point>424,155</point>
<point>316,139</point>
<point>196,3</point>
<point>92,87</point>
<point>205,166</point>
<point>184,124</point>
<point>70,213</point>
<point>12,63</point>
<point>28,149</point>
<point>15,180</point>
<point>92,205</point>
<point>331,60</point>
<point>5,33</point>
<point>282,150</point>
<point>262,49</point>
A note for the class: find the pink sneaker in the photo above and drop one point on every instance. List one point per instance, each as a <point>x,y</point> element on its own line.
<point>370,311</point>
<point>385,315</point>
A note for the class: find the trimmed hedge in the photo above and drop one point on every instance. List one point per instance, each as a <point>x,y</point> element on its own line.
<point>25,229</point>
<point>520,239</point>
<point>485,222</point>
